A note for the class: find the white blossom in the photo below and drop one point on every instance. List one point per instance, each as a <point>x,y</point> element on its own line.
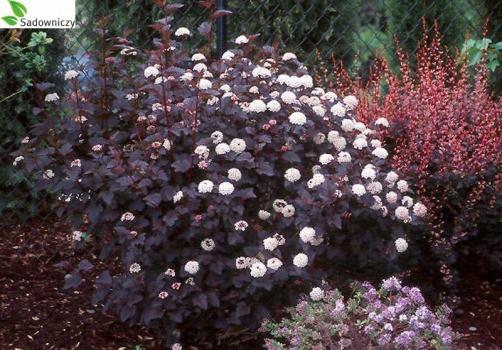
<point>376,143</point>
<point>391,197</point>
<point>292,175</point>
<point>258,269</point>
<point>300,260</point>
<point>205,186</point>
<point>319,110</point>
<point>359,143</point>
<point>330,96</point>
<point>77,236</point>
<point>401,245</point>
<point>207,244</point>
<point>242,39</point>
<point>151,71</point>
<point>234,174</point>
<point>274,106</point>
<point>270,243</point>
<point>217,137</point>
<point>71,74</point>
<point>222,148</point>
<point>226,188</point>
<point>288,56</point>
<point>350,101</point>
<point>358,189</point>
<point>383,122</point>
<point>316,294</point>
<point>76,163</point>
<point>192,267</point>
<point>135,268</point>
<point>344,157</point>
<point>368,173</point>
<point>202,151</point>
<point>182,31</point>
<point>127,216</point>
<point>278,205</point>
<point>297,118</point>
<point>288,211</point>
<point>326,158</point>
<point>374,187</point>
<point>391,177</point>
<point>347,125</point>
<point>419,209</point>
<point>228,55</point>
<point>402,186</point>
<point>187,76</point>
<point>97,148</point>
<point>288,97</point>
<point>274,263</point>
<point>257,106</point>
<point>307,234</point>
<point>178,196</point>
<point>407,201</point>
<point>198,57</point>
<point>240,263</point>
<point>402,213</point>
<point>51,97</point>
<point>238,145</point>
<point>316,180</point>
<point>204,84</point>
<point>200,67</point>
<point>338,110</point>
<point>261,72</point>
<point>264,215</point>
<point>166,144</point>
<point>241,225</point>
<point>17,160</point>
<point>380,152</point>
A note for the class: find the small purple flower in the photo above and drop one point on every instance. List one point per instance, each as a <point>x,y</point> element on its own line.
<point>416,295</point>
<point>405,338</point>
<point>384,339</point>
<point>391,284</point>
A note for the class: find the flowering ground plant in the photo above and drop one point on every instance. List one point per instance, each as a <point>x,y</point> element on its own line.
<point>213,182</point>
<point>392,317</point>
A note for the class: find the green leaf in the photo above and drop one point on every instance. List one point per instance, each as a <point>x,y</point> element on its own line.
<point>492,65</point>
<point>474,59</point>
<point>483,44</point>
<point>10,20</point>
<point>498,45</point>
<point>18,8</point>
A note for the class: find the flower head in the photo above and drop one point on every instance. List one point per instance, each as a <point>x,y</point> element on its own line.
<point>205,186</point>
<point>297,118</point>
<point>226,188</point>
<point>192,267</point>
<point>300,260</point>
<point>401,245</point>
<point>316,294</point>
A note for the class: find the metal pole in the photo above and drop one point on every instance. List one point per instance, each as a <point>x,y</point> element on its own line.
<point>221,29</point>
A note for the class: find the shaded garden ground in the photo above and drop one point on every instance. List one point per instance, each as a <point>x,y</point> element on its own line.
<point>36,313</point>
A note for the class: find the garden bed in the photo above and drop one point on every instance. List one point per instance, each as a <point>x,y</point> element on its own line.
<point>37,313</point>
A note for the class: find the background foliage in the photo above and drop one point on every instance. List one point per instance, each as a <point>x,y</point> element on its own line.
<point>26,57</point>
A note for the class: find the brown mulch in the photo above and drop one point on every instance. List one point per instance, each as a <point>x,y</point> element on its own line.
<point>37,313</point>
<point>479,316</point>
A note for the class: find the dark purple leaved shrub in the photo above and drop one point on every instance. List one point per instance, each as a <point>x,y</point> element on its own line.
<point>393,317</point>
<point>221,182</point>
